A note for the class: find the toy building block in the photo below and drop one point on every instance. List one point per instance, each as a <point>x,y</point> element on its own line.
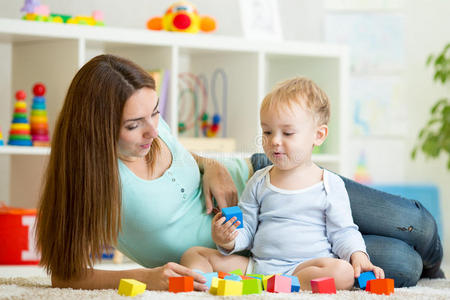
<point>209,277</point>
<point>265,279</point>
<point>223,274</point>
<point>258,276</point>
<point>364,278</point>
<point>229,288</point>
<point>323,285</point>
<point>279,284</point>
<point>131,287</point>
<point>251,286</point>
<point>233,277</point>
<point>181,284</point>
<point>381,286</point>
<point>20,133</point>
<point>237,272</point>
<point>295,284</point>
<point>214,285</point>
<point>246,277</point>
<point>234,211</point>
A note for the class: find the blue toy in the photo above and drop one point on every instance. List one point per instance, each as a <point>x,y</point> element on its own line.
<point>234,211</point>
<point>364,278</point>
<point>295,284</point>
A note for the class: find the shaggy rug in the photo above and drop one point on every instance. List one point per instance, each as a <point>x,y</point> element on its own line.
<point>39,288</point>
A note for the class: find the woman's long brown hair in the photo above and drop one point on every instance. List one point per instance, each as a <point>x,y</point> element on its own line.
<point>80,206</point>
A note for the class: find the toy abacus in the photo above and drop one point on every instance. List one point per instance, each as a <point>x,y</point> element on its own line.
<point>19,134</point>
<point>39,120</point>
<point>196,86</point>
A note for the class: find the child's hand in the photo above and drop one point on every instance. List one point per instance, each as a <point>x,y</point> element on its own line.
<point>361,263</point>
<point>223,234</point>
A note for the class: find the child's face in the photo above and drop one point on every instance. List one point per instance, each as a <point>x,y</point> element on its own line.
<point>289,136</point>
<point>139,125</point>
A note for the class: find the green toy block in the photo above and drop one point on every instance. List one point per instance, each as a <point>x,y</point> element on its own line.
<point>251,286</point>
<point>237,272</point>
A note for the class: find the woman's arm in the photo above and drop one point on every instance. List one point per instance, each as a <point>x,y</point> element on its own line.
<point>217,183</point>
<point>156,278</point>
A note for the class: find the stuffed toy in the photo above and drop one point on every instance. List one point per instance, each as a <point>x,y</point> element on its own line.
<point>182,16</point>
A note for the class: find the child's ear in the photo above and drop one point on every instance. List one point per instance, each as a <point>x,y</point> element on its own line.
<point>321,135</point>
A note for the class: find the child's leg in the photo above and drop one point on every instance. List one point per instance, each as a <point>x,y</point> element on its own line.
<point>210,260</point>
<point>339,269</point>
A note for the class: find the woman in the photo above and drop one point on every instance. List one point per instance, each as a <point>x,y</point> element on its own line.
<point>116,176</point>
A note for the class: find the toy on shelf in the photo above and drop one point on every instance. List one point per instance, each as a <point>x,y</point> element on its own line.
<point>20,134</point>
<point>37,12</point>
<point>38,119</point>
<point>1,138</point>
<point>182,16</point>
<point>362,174</point>
<point>195,88</point>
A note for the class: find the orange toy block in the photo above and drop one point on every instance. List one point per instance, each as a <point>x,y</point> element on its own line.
<point>181,284</point>
<point>323,285</point>
<point>223,274</point>
<point>380,286</point>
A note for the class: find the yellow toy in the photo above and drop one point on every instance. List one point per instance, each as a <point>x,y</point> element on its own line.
<point>131,287</point>
<point>182,16</point>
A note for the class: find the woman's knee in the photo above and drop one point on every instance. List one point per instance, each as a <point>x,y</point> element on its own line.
<point>398,259</point>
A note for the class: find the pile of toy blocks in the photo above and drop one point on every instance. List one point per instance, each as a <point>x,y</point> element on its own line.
<point>368,282</point>
<point>235,283</point>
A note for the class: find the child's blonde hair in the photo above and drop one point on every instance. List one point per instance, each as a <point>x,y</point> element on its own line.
<point>302,91</point>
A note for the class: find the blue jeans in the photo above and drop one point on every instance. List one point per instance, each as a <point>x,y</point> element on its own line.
<point>401,236</point>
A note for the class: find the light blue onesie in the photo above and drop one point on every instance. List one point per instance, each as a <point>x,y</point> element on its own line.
<point>164,217</point>
<point>284,228</point>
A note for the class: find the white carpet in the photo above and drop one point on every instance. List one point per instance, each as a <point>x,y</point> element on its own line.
<point>38,287</point>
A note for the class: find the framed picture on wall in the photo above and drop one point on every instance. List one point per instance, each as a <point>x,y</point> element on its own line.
<point>260,19</point>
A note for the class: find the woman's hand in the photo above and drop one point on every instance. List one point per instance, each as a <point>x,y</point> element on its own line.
<point>361,263</point>
<point>217,183</point>
<point>224,234</point>
<point>158,278</point>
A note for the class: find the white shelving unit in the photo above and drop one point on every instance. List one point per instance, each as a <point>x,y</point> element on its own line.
<point>52,53</point>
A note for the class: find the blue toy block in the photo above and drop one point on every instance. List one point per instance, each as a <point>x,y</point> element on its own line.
<point>364,277</point>
<point>295,284</point>
<point>209,277</point>
<point>233,277</point>
<point>20,143</point>
<point>234,211</point>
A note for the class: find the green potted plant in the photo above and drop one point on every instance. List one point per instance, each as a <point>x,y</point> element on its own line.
<point>434,137</point>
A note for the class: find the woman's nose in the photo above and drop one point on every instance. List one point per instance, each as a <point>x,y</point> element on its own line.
<point>151,132</point>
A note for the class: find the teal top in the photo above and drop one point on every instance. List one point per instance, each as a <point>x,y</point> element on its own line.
<point>164,217</point>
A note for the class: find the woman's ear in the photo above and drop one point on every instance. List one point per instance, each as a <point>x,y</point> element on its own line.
<point>321,135</point>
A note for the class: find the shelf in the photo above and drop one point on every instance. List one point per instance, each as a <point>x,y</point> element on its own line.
<point>16,150</point>
<point>16,30</point>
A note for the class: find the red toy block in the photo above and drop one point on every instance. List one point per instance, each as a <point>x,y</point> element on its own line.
<point>223,274</point>
<point>323,285</point>
<point>181,284</point>
<point>279,284</point>
<point>380,286</point>
<point>17,236</point>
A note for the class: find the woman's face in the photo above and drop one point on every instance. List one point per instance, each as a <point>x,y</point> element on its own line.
<point>139,124</point>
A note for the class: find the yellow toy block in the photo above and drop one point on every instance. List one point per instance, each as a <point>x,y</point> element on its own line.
<point>265,278</point>
<point>214,285</point>
<point>229,288</point>
<point>131,287</point>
